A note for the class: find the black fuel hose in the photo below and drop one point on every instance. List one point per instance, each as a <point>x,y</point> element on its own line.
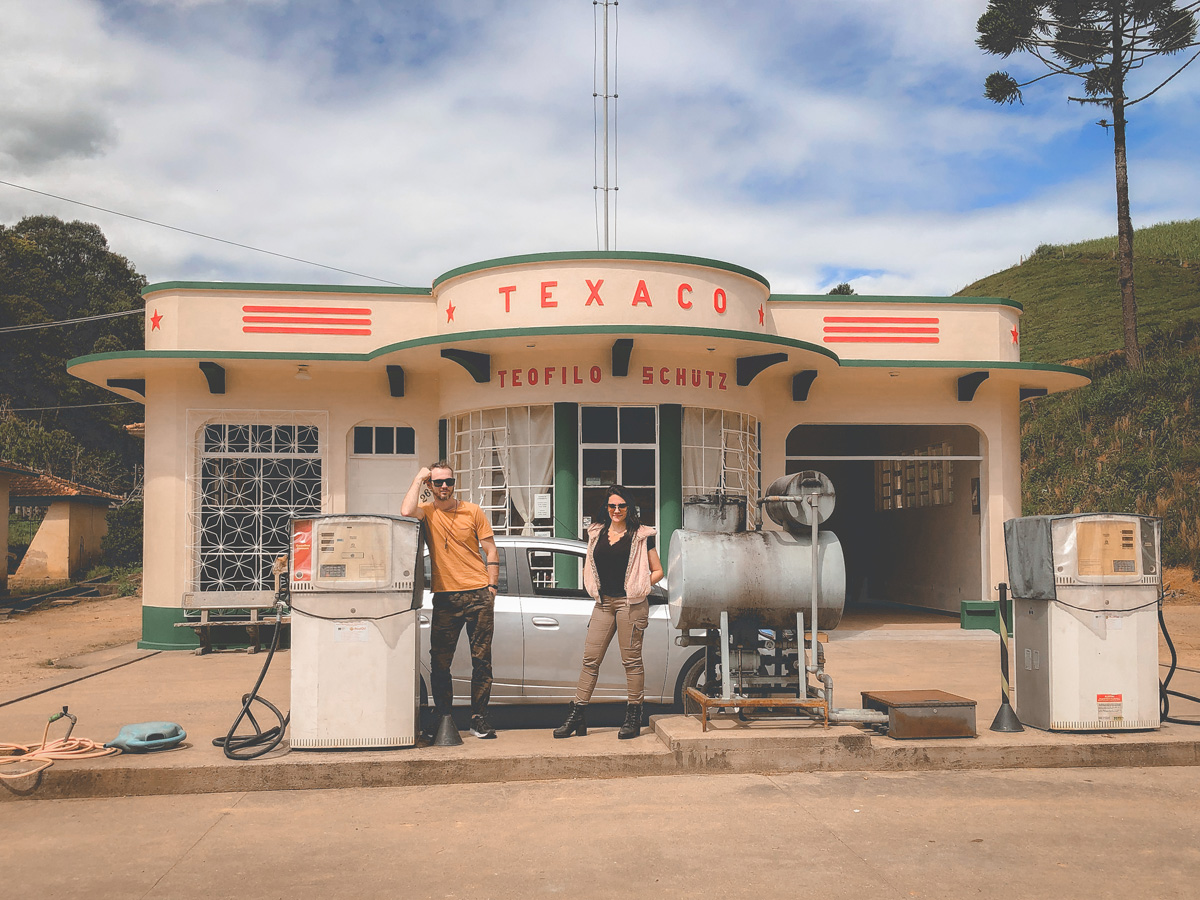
<point>1164,690</point>
<point>251,746</point>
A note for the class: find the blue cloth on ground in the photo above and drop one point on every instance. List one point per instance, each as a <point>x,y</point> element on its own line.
<point>147,736</point>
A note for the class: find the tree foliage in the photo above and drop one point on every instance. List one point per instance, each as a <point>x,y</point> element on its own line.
<point>1101,43</point>
<point>843,289</point>
<point>121,546</point>
<point>51,270</point>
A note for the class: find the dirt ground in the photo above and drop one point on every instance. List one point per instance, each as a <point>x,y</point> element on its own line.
<point>1181,610</point>
<point>37,646</point>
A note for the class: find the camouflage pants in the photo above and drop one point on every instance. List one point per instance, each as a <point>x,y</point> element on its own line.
<point>451,611</point>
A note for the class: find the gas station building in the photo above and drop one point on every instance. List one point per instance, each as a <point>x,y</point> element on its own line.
<point>543,379</point>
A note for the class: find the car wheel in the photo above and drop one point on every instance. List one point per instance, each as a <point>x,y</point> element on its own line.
<point>693,675</point>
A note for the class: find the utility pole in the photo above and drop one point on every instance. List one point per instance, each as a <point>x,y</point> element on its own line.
<point>605,185</point>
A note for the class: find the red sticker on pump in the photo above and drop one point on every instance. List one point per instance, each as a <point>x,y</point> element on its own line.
<point>302,550</point>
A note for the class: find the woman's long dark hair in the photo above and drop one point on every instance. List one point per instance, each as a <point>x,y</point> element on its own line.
<point>632,521</point>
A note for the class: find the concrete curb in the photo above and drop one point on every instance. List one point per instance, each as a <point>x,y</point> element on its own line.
<point>676,747</point>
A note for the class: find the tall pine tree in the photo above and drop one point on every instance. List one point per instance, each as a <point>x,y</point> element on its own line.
<point>1099,42</point>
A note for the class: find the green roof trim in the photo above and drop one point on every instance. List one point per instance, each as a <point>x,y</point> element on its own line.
<point>463,336</point>
<point>460,337</point>
<point>613,255</point>
<point>962,364</point>
<point>867,298</point>
<point>280,288</point>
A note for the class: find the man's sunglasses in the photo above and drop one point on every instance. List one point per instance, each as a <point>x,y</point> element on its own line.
<point>617,505</point>
<point>438,482</point>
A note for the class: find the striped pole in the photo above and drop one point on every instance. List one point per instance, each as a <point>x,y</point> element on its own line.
<point>1006,719</point>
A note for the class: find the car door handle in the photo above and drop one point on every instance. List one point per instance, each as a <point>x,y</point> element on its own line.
<point>545,622</point>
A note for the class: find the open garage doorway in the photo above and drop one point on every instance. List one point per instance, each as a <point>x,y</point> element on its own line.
<point>908,509</point>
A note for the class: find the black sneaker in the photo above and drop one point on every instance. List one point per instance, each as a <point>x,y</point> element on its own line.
<point>481,727</point>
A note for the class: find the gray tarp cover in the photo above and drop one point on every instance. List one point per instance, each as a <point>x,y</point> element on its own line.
<point>1030,551</point>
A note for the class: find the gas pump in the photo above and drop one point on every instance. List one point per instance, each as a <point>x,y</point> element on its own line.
<point>356,589</point>
<point>1085,598</point>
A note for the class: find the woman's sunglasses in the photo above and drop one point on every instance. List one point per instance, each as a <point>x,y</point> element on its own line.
<point>617,505</point>
<point>438,482</point>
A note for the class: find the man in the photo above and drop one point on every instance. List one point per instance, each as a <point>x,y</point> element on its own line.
<point>464,588</point>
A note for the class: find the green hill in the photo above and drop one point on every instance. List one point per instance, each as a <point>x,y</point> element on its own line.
<point>1072,304</point>
<point>1130,441</point>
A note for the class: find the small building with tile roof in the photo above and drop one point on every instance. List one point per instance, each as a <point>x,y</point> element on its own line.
<point>67,542</point>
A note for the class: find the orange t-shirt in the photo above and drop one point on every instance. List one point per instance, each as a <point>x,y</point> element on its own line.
<point>454,550</point>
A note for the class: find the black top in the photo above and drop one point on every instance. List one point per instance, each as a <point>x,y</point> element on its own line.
<point>611,562</point>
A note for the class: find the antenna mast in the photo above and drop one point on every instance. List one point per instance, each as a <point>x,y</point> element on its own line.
<point>606,138</point>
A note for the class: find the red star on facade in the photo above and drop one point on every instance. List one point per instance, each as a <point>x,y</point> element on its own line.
<point>1016,335</point>
<point>155,320</point>
<point>450,313</point>
<point>762,315</point>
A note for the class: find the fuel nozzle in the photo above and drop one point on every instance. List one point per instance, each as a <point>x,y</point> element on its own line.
<point>283,594</point>
<point>64,715</point>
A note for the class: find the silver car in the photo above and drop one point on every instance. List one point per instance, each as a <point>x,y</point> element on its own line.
<point>542,614</point>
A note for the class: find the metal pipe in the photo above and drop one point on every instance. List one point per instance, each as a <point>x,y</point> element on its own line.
<point>726,675</point>
<point>827,680</point>
<point>813,500</point>
<point>801,668</point>
<point>858,717</point>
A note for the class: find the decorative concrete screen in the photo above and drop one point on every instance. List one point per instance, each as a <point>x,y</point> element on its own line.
<point>251,479</point>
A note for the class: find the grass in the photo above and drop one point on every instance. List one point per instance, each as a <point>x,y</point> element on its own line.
<point>127,580</point>
<point>1177,241</point>
<point>1128,442</point>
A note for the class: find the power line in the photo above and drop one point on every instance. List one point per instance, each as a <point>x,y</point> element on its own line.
<point>127,312</point>
<point>78,406</point>
<point>207,237</point>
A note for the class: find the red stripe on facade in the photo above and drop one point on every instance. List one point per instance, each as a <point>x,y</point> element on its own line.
<point>266,329</point>
<point>306,320</point>
<point>877,329</point>
<point>834,339</point>
<point>883,320</point>
<point>314,310</point>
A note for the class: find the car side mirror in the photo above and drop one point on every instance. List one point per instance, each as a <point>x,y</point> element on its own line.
<point>657,596</point>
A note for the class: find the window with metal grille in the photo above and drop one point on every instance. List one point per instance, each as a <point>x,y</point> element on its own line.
<point>252,479</point>
<point>721,456</point>
<point>504,462</point>
<point>913,482</point>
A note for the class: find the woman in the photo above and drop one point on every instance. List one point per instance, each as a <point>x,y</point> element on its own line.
<point>621,567</point>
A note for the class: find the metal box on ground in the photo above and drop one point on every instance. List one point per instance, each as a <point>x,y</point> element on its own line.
<point>923,714</point>
<point>357,585</point>
<point>1085,601</point>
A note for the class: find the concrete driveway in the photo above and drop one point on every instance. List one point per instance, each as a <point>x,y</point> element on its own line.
<point>1065,833</point>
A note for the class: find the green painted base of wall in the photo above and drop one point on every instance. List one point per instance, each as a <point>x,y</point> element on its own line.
<point>159,631</point>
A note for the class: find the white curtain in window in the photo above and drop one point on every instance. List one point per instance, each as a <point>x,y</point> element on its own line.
<point>530,468</point>
<point>701,450</point>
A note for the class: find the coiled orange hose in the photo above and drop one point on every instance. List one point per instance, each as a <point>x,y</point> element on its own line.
<point>43,755</point>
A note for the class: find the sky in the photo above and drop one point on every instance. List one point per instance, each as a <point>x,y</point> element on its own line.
<point>814,142</point>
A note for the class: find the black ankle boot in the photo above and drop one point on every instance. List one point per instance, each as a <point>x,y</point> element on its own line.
<point>633,722</point>
<point>576,722</point>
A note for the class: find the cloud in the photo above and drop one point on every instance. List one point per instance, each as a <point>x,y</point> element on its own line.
<point>33,138</point>
<point>56,87</point>
<point>404,139</point>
